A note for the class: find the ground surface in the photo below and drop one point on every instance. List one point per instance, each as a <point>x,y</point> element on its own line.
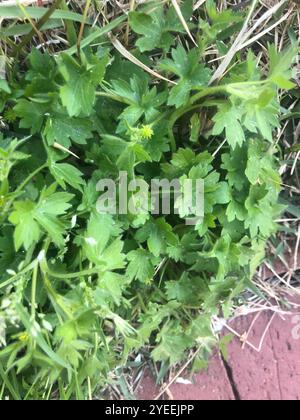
<point>273,373</point>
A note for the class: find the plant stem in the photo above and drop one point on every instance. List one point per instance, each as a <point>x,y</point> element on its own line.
<point>213,90</point>
<point>57,300</point>
<point>29,178</point>
<point>79,274</point>
<point>16,276</point>
<point>191,105</point>
<point>17,192</point>
<point>207,92</point>
<point>143,306</point>
<point>175,116</point>
<point>114,97</point>
<point>33,291</point>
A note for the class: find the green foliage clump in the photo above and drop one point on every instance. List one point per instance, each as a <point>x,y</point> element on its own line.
<point>80,291</point>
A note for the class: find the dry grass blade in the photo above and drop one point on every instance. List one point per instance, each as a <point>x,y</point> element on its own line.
<point>234,48</point>
<point>269,13</point>
<point>35,27</point>
<point>2,67</point>
<point>267,30</point>
<point>131,9</point>
<point>182,20</point>
<point>85,12</point>
<point>182,369</point>
<point>241,40</point>
<point>282,280</point>
<point>295,163</point>
<point>64,149</point>
<point>199,4</point>
<point>122,50</point>
<point>244,338</point>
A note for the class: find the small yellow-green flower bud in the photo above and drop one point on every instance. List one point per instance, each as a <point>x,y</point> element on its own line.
<point>146,132</point>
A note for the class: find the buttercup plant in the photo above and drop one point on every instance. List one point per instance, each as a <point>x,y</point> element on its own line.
<point>187,195</point>
<point>83,292</point>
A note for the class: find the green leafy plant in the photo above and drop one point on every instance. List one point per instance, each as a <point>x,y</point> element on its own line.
<point>81,292</point>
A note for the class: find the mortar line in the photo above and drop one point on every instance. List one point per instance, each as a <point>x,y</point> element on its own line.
<point>230,377</point>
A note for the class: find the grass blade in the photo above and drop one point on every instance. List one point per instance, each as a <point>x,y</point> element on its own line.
<point>39,337</point>
<point>24,2</point>
<point>13,12</point>
<point>36,27</point>
<point>234,48</point>
<point>8,385</point>
<point>97,33</point>
<point>24,29</point>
